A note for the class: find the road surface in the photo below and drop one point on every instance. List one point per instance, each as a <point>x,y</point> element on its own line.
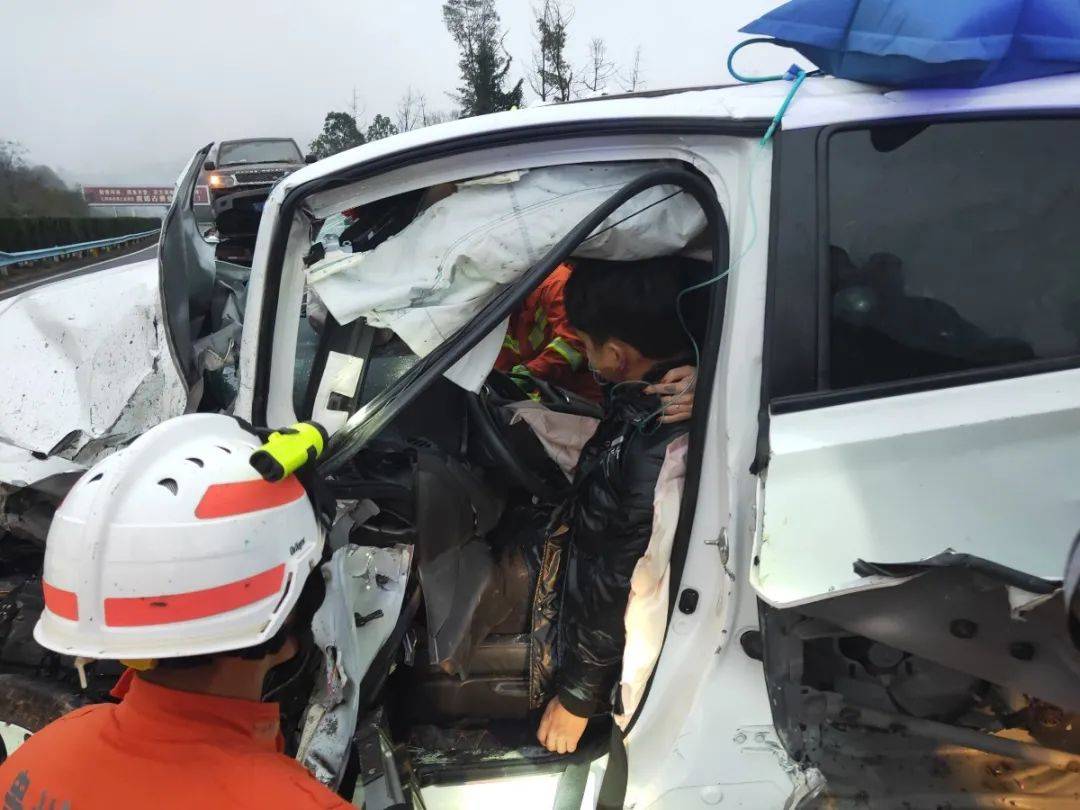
<point>148,252</point>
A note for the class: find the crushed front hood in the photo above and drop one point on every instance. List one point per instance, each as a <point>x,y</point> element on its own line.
<point>87,368</point>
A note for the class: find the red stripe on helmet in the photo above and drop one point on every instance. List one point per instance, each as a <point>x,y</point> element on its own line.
<point>139,611</point>
<point>241,497</point>
<point>64,604</point>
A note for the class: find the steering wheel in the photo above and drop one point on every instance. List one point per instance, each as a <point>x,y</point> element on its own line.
<point>552,397</point>
<point>503,441</point>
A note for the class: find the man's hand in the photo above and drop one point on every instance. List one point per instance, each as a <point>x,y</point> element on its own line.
<point>676,391</point>
<point>560,730</point>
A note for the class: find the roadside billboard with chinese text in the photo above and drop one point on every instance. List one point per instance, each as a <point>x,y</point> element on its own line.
<point>127,195</point>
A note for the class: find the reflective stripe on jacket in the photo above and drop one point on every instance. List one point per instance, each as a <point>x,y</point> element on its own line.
<point>541,342</point>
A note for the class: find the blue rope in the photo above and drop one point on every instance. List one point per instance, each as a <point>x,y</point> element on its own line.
<point>795,74</point>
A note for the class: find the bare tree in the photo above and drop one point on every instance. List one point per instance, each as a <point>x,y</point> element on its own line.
<point>357,108</point>
<point>410,111</point>
<point>538,79</point>
<point>414,112</point>
<point>553,76</point>
<point>429,116</point>
<point>634,79</point>
<point>599,69</point>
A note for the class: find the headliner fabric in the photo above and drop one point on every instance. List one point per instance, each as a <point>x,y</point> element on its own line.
<point>930,43</point>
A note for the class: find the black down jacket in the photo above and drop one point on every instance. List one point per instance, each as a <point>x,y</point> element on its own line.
<point>609,517</point>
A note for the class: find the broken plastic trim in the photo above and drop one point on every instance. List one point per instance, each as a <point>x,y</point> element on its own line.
<point>969,562</point>
<point>366,423</point>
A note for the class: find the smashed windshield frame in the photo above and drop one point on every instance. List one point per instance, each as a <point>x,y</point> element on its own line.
<point>185,266</point>
<point>367,422</point>
<point>278,150</point>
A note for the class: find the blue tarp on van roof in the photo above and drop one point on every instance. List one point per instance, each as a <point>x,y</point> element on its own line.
<point>930,43</point>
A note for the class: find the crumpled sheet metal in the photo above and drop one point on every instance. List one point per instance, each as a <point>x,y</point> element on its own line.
<point>20,468</point>
<point>354,586</point>
<point>87,366</point>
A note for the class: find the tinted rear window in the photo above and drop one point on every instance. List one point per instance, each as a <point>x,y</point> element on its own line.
<point>952,247</point>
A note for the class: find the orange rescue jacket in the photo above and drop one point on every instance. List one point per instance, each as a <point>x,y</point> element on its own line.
<point>541,342</point>
<point>163,749</point>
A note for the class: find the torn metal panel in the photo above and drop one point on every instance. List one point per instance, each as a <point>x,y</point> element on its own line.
<point>1023,602</point>
<point>998,745</point>
<point>870,767</point>
<point>950,559</point>
<point>365,587</point>
<point>378,786</point>
<point>885,726</point>
<point>22,468</point>
<point>964,620</point>
<point>87,368</point>
<point>987,470</point>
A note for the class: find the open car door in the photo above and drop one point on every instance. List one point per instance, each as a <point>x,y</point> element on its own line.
<point>920,490</point>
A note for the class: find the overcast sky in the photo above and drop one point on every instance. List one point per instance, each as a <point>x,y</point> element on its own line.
<point>123,91</point>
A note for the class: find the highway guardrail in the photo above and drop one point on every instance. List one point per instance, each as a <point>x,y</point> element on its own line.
<point>26,256</point>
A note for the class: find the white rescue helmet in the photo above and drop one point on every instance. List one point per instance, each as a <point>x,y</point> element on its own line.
<point>175,546</point>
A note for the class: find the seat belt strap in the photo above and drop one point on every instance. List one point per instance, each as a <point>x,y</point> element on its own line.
<point>613,788</point>
<point>571,788</point>
<point>570,791</point>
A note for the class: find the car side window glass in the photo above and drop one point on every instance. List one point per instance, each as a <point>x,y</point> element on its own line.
<point>952,247</point>
<point>307,347</point>
<point>388,362</point>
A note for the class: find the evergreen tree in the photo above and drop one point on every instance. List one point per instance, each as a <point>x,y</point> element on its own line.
<point>484,62</point>
<point>338,134</point>
<point>381,127</point>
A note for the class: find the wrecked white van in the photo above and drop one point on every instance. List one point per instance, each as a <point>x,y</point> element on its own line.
<point>860,602</point>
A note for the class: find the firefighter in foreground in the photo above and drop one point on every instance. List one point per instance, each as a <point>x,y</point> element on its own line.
<point>540,344</point>
<point>176,557</point>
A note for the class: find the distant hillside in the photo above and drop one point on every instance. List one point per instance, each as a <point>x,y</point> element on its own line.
<point>34,191</point>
